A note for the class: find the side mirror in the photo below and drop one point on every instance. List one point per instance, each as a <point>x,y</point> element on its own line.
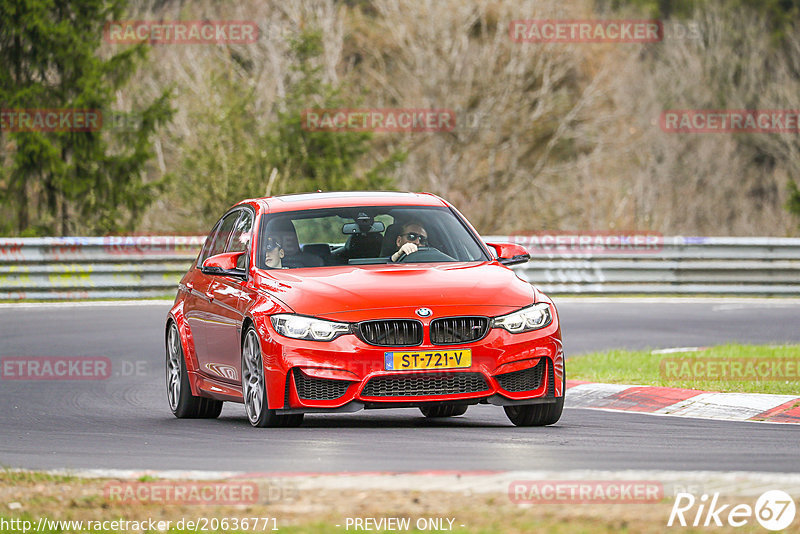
<point>224,265</point>
<point>510,253</point>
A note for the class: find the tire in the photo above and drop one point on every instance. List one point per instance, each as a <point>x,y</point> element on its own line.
<point>254,389</point>
<point>443,410</point>
<point>183,404</point>
<point>537,414</point>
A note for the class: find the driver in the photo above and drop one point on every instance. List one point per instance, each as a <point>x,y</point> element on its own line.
<point>412,236</point>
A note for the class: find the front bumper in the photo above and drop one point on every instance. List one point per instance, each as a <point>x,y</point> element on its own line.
<point>348,374</point>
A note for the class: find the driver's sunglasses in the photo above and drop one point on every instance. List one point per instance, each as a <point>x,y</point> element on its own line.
<point>413,236</point>
<point>272,244</point>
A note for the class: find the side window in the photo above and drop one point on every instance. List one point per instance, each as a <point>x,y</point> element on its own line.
<point>240,240</point>
<point>204,253</point>
<point>225,230</point>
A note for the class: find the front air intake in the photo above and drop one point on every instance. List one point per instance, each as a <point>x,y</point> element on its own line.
<point>425,384</point>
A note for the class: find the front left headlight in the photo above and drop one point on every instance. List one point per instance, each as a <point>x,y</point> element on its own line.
<point>301,327</point>
<point>531,318</point>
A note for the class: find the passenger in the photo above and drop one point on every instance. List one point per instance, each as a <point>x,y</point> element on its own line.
<point>274,254</point>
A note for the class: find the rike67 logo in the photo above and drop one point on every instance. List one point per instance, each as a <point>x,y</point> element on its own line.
<point>774,510</point>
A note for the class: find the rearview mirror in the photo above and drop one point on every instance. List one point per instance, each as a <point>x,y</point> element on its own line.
<point>224,265</point>
<point>510,253</point>
<point>353,228</point>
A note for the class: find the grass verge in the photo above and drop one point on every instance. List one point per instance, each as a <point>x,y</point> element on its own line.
<point>727,368</point>
<point>35,497</point>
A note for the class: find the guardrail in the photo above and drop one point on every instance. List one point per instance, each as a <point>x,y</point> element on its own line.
<point>112,267</point>
<point>760,266</point>
<point>136,267</point>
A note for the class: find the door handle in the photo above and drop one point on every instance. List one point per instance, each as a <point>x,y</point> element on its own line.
<point>189,285</point>
<point>209,295</point>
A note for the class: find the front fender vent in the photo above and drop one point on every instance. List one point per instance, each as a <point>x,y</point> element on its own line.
<point>311,388</point>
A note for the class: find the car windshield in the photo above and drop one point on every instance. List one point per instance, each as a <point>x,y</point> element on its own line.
<point>364,236</point>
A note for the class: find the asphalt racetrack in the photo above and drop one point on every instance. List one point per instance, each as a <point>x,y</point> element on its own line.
<point>123,422</point>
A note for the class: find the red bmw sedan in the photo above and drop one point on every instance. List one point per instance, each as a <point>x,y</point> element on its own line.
<point>337,302</point>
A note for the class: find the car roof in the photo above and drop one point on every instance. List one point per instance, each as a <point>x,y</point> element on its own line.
<point>343,199</point>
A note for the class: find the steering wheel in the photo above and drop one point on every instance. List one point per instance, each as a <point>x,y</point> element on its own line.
<point>403,255</point>
<point>425,255</point>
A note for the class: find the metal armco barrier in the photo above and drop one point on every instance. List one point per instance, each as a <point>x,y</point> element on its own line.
<point>151,266</point>
<point>112,267</point>
<point>757,266</point>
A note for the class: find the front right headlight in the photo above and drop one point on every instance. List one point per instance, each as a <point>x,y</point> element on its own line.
<point>531,318</point>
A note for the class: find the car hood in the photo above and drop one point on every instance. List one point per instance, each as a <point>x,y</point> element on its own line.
<point>353,293</point>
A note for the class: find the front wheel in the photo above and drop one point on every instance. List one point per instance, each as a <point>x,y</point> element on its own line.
<point>183,404</point>
<point>538,414</point>
<point>254,389</point>
<point>535,414</point>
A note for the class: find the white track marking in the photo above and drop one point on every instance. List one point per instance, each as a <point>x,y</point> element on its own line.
<point>675,350</point>
<point>86,304</point>
<point>728,406</point>
<point>588,395</point>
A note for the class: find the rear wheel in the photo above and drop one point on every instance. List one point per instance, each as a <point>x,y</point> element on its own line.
<point>254,388</point>
<point>183,404</point>
<point>443,410</point>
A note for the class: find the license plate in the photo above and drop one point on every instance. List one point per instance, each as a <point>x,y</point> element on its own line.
<point>434,359</point>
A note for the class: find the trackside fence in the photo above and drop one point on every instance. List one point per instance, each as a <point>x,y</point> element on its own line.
<point>119,267</point>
